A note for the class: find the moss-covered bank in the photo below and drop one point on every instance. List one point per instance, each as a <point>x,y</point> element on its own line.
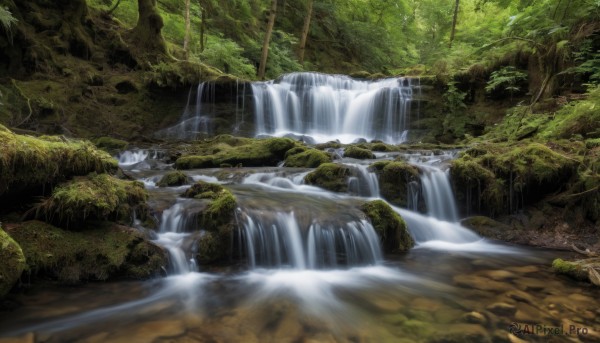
<point>29,163</point>
<point>101,251</point>
<point>389,225</point>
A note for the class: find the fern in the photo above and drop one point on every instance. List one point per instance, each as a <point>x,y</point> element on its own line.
<point>7,20</point>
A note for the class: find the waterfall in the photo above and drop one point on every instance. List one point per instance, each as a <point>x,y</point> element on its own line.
<point>363,182</point>
<point>438,194</point>
<point>330,107</point>
<point>173,234</point>
<point>282,241</point>
<point>196,119</point>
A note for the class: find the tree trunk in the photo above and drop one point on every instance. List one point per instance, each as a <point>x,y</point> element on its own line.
<point>186,37</point>
<point>202,26</point>
<point>265,50</point>
<point>305,31</point>
<point>147,33</point>
<point>454,23</point>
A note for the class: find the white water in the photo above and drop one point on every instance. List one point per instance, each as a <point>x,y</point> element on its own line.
<point>130,157</point>
<point>330,107</point>
<point>438,194</point>
<point>194,121</point>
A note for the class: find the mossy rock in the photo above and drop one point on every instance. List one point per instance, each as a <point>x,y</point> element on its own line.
<point>13,262</point>
<point>583,270</point>
<point>310,158</point>
<point>394,177</point>
<point>358,153</point>
<point>31,163</point>
<point>111,144</point>
<point>220,209</point>
<point>214,246</point>
<point>93,197</point>
<point>389,225</point>
<point>330,176</point>
<point>234,151</point>
<point>173,179</point>
<point>489,228</point>
<point>102,251</point>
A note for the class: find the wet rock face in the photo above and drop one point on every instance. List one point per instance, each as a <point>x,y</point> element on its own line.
<point>103,251</point>
<point>13,262</point>
<point>390,227</point>
<point>394,179</point>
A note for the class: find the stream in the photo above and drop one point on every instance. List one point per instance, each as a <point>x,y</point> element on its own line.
<point>309,267</point>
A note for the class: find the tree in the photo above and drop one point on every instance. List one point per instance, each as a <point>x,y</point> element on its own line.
<point>305,31</point>
<point>147,32</point>
<point>186,38</point>
<point>265,49</point>
<point>454,22</point>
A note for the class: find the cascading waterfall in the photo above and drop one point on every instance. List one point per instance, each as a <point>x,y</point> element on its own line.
<point>330,107</point>
<point>438,194</point>
<point>284,242</point>
<point>363,182</point>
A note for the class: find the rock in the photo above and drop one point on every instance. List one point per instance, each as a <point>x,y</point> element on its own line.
<point>474,318</point>
<point>499,275</point>
<point>331,176</point>
<point>481,283</point>
<point>389,226</point>
<point>530,284</point>
<point>302,158</point>
<point>150,332</point>
<point>26,338</point>
<point>30,163</point>
<point>358,153</point>
<point>101,251</point>
<point>502,309</point>
<point>173,179</point>
<point>520,296</point>
<point>94,197</point>
<point>489,228</point>
<point>395,178</point>
<point>13,262</point>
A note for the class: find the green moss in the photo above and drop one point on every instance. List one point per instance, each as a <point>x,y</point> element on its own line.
<point>229,150</point>
<point>220,210</point>
<point>27,162</point>
<point>214,246</point>
<point>102,251</point>
<point>172,179</point>
<point>111,144</point>
<point>358,153</point>
<point>100,197</point>
<point>394,177</point>
<point>572,269</point>
<point>497,177</point>
<point>331,176</point>
<point>390,227</point>
<point>13,262</point>
<point>310,158</point>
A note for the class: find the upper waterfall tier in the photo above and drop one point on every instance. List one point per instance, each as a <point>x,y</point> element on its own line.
<point>330,107</point>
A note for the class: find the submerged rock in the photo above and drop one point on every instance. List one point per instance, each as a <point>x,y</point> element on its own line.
<point>13,262</point>
<point>390,227</point>
<point>102,251</point>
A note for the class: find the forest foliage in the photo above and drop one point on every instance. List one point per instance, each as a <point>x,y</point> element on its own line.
<point>384,36</point>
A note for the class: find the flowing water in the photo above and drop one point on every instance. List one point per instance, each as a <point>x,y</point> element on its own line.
<point>308,266</point>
